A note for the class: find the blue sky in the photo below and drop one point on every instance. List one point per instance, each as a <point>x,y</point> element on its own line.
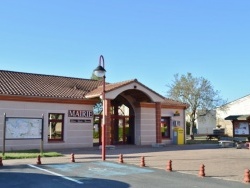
<point>143,39</point>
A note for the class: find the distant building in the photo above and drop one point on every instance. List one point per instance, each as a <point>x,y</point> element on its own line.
<point>237,110</point>
<point>206,124</point>
<point>237,107</point>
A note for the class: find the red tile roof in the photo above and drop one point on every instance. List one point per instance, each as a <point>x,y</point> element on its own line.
<point>27,84</point>
<point>40,85</point>
<point>108,87</point>
<point>167,102</point>
<point>171,102</point>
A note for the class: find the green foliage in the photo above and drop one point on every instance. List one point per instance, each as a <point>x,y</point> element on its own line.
<point>98,108</point>
<point>94,77</point>
<point>120,136</point>
<point>201,140</point>
<point>95,134</point>
<point>29,154</point>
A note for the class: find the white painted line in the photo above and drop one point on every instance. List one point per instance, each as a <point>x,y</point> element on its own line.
<point>56,174</point>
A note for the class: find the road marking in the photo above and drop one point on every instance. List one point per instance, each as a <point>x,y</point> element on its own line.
<point>56,174</point>
<point>98,169</point>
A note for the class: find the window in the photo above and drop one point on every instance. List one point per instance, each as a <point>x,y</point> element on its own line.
<point>56,125</point>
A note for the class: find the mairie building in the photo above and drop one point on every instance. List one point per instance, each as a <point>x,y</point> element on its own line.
<point>38,110</point>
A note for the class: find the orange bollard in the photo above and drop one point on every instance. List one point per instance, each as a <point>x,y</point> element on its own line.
<point>169,166</point>
<point>38,160</point>
<point>72,157</point>
<point>143,162</point>
<point>247,176</point>
<point>1,161</point>
<point>121,158</point>
<point>202,171</point>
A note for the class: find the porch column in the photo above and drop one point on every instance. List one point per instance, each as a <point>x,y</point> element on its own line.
<point>115,126</point>
<point>158,122</point>
<point>108,121</point>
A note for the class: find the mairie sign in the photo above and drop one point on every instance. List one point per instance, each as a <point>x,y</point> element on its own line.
<point>80,113</point>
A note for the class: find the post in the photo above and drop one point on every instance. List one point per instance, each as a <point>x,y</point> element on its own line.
<point>4,129</point>
<point>41,145</point>
<point>104,122</point>
<point>100,72</point>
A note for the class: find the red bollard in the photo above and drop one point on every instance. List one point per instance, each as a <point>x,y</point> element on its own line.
<point>72,157</point>
<point>38,160</point>
<point>121,158</point>
<point>169,166</point>
<point>1,161</point>
<point>247,176</point>
<point>143,162</point>
<point>202,171</point>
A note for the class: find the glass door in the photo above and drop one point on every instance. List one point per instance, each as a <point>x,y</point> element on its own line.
<point>165,127</point>
<point>120,130</point>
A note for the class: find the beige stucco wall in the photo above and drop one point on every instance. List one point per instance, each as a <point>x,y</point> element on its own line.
<point>75,134</point>
<point>145,131</point>
<point>79,134</point>
<point>114,93</point>
<point>145,124</point>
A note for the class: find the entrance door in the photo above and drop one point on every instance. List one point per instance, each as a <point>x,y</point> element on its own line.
<point>121,130</point>
<point>165,127</point>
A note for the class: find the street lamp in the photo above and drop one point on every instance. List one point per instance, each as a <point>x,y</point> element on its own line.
<point>100,72</point>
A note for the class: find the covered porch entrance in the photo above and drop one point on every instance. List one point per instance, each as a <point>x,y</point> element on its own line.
<point>122,130</point>
<point>132,114</point>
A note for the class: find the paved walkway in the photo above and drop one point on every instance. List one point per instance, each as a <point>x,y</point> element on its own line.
<point>222,163</point>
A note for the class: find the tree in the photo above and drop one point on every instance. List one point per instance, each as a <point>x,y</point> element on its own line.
<point>98,106</point>
<point>198,93</point>
<point>94,77</point>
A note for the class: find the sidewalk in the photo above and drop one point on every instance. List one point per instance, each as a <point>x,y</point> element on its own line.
<point>222,163</point>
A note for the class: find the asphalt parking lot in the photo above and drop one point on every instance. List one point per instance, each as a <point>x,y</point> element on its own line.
<point>224,167</point>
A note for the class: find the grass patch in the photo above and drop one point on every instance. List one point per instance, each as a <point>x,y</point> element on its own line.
<point>202,140</point>
<point>24,154</point>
